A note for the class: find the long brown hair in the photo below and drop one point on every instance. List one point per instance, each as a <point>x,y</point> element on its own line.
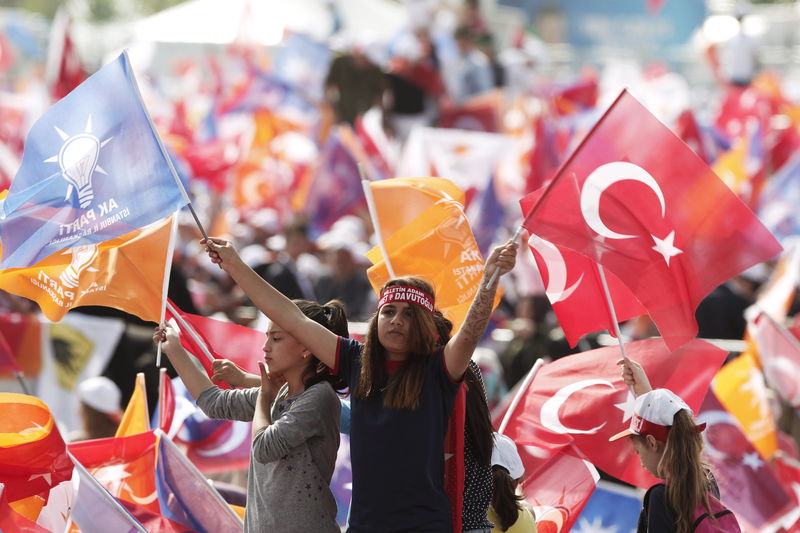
<point>682,467</point>
<point>405,385</point>
<point>505,500</point>
<point>333,317</point>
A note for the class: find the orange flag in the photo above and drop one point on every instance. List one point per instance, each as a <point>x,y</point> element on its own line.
<point>126,273</point>
<point>740,388</point>
<point>136,418</point>
<point>438,246</point>
<point>399,201</point>
<point>33,456</point>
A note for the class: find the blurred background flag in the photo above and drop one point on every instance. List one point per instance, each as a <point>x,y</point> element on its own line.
<point>93,168</point>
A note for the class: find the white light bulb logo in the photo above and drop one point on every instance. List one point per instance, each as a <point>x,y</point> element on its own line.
<point>82,257</point>
<point>78,158</point>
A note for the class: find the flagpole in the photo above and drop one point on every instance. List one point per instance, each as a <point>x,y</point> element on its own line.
<point>164,152</point>
<point>22,383</point>
<point>184,325</point>
<point>520,392</point>
<point>165,286</point>
<point>611,309</point>
<point>496,273</point>
<point>105,494</point>
<point>373,215</point>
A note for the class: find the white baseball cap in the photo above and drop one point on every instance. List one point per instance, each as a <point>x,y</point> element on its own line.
<point>653,414</point>
<point>100,393</point>
<point>505,454</point>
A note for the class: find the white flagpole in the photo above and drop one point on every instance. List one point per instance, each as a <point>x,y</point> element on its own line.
<point>373,215</point>
<point>167,271</point>
<point>520,392</point>
<point>496,273</point>
<point>185,326</point>
<point>610,303</point>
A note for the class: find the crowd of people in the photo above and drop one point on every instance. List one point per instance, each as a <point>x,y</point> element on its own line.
<point>402,373</point>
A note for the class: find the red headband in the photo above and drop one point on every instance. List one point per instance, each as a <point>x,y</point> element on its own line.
<point>640,426</point>
<point>404,293</point>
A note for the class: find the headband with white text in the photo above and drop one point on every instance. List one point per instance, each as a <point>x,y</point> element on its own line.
<point>404,293</point>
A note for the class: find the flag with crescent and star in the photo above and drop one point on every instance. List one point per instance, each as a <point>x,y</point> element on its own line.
<point>34,457</point>
<point>573,286</point>
<point>125,466</point>
<point>582,400</point>
<point>93,168</point>
<point>652,213</point>
<point>747,485</point>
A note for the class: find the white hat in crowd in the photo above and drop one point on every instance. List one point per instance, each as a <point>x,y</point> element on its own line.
<point>505,454</point>
<point>653,414</point>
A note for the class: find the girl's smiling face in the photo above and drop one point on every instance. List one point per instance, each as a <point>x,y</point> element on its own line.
<point>394,323</point>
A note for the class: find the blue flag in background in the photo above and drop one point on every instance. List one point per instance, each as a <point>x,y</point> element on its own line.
<point>93,169</point>
<point>612,508</point>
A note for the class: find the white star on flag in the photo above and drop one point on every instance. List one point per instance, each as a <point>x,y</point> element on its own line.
<point>627,406</point>
<point>595,526</point>
<point>752,460</point>
<point>666,246</point>
<point>47,476</point>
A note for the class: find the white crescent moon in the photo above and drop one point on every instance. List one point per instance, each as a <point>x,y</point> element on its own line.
<point>711,418</point>
<point>603,177</point>
<point>550,514</point>
<point>549,411</point>
<point>239,432</point>
<point>556,270</point>
<point>142,501</point>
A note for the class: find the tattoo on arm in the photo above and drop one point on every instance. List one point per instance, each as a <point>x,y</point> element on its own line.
<point>479,312</point>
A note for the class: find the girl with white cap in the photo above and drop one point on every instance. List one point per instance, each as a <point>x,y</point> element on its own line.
<point>506,511</point>
<point>669,445</point>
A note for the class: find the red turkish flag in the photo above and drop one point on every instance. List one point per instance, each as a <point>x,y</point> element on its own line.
<point>125,466</point>
<point>13,522</point>
<point>33,456</point>
<point>575,291</point>
<point>64,69</point>
<point>779,352</point>
<point>652,213</point>
<point>788,470</point>
<point>208,339</point>
<point>559,490</point>
<point>746,483</point>
<point>581,399</point>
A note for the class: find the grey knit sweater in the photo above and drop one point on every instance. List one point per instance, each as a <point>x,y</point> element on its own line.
<point>291,461</point>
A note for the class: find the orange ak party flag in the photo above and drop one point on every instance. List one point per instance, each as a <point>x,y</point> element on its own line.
<point>126,273</point>
<point>438,246</point>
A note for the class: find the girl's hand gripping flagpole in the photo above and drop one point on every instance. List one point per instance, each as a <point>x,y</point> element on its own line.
<point>496,273</point>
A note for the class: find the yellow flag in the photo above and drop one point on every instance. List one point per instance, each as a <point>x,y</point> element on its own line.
<point>740,387</point>
<point>136,418</point>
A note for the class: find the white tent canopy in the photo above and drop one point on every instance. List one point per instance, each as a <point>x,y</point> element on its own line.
<point>220,22</point>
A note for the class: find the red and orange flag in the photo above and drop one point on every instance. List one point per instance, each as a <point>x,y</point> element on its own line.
<point>33,456</point>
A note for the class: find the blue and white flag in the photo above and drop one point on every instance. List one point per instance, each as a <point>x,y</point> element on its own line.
<point>94,168</point>
<point>613,508</point>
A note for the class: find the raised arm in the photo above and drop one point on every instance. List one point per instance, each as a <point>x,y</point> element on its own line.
<point>278,308</point>
<point>194,378</point>
<point>458,351</point>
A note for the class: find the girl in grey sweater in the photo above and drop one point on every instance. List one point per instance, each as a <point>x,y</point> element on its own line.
<point>295,413</point>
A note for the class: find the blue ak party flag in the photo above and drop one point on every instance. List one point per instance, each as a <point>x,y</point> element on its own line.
<point>94,168</point>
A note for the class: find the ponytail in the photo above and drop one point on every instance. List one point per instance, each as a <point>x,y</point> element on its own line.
<point>333,317</point>
<point>505,500</point>
<point>682,467</point>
